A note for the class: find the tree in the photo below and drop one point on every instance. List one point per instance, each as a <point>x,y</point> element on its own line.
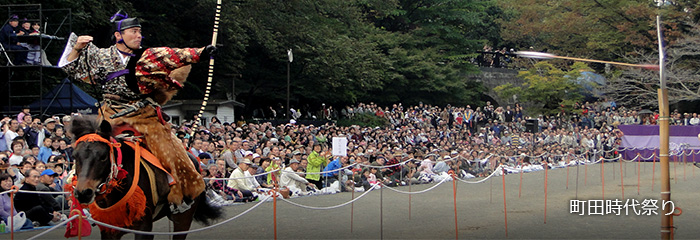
<point>547,87</point>
<point>599,29</point>
<point>638,87</point>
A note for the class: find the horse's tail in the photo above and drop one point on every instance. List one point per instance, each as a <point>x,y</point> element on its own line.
<point>206,212</point>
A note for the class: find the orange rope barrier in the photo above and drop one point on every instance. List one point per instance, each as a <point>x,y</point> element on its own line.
<point>505,209</point>
<point>622,181</point>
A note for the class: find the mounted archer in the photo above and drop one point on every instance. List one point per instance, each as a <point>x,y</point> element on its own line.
<point>135,82</point>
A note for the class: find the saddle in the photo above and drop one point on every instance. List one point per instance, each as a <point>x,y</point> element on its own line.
<point>130,135</point>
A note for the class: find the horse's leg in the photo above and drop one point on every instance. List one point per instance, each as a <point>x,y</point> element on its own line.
<point>183,221</point>
<point>146,225</point>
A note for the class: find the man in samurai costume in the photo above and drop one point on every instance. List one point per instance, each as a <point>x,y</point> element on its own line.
<point>135,82</point>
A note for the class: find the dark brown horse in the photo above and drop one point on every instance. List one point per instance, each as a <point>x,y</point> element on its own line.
<point>97,158</point>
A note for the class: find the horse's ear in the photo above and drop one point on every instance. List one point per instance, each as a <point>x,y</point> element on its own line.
<point>82,125</point>
<point>105,129</point>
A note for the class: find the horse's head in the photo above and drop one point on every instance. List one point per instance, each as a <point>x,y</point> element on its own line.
<point>92,156</point>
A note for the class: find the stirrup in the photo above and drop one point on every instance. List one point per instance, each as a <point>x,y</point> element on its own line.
<point>181,208</point>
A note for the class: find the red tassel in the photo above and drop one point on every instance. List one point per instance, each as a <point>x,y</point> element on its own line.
<point>72,226</point>
<point>121,174</point>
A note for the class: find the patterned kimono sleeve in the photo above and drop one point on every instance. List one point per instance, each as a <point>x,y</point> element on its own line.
<point>81,68</point>
<point>155,65</point>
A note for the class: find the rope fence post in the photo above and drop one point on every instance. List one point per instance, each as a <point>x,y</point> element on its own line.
<point>675,173</point>
<point>639,162</point>
<point>602,176</point>
<point>684,164</point>
<point>454,195</point>
<point>491,191</point>
<point>585,174</point>
<point>381,211</point>
<point>352,209</point>
<point>13,189</point>
<point>505,209</point>
<point>577,166</point>
<point>409,199</point>
<point>520,189</point>
<point>274,208</point>
<point>546,166</point>
<point>653,172</point>
<point>622,180</point>
<point>613,170</point>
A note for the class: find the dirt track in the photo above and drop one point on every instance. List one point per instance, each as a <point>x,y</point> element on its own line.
<point>479,206</point>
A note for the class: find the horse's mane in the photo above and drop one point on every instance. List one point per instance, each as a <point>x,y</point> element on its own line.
<point>87,124</point>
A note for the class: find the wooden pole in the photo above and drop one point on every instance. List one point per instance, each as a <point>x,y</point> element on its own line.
<point>666,228</point>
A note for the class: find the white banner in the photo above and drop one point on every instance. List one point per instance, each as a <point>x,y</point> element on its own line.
<point>340,146</point>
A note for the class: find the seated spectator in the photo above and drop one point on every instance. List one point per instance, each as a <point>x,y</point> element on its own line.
<point>8,39</point>
<point>34,54</point>
<point>241,182</point>
<point>41,208</point>
<point>292,181</point>
<point>6,203</point>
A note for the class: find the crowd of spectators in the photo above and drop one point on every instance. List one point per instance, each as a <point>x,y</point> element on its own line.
<point>418,144</point>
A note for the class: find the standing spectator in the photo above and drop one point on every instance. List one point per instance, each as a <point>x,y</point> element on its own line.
<point>10,131</point>
<point>317,161</point>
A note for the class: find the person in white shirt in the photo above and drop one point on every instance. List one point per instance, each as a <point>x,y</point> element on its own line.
<point>695,120</point>
<point>241,182</point>
<point>291,180</point>
<point>10,131</point>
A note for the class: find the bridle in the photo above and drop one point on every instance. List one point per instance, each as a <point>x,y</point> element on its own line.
<point>115,163</point>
